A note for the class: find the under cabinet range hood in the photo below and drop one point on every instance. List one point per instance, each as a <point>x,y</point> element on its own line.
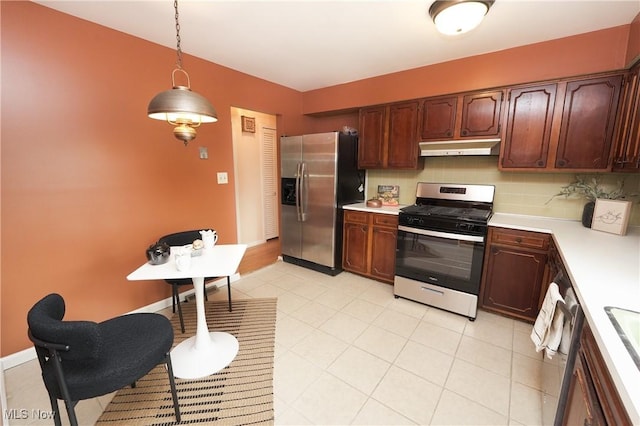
<point>458,147</point>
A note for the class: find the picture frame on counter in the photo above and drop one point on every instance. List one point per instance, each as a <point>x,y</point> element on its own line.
<point>611,216</point>
<point>389,194</point>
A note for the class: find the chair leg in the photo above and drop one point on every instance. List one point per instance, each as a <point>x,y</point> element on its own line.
<point>172,383</point>
<point>180,315</point>
<point>229,292</point>
<point>73,420</point>
<point>69,404</point>
<point>56,410</point>
<point>174,297</point>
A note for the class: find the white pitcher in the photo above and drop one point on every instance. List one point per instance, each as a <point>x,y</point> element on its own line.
<point>209,238</point>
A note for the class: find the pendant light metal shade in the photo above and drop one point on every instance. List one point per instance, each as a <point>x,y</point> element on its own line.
<point>453,17</point>
<point>180,103</point>
<point>179,106</point>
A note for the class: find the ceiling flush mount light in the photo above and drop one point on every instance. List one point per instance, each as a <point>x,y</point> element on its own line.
<point>180,107</point>
<point>458,16</point>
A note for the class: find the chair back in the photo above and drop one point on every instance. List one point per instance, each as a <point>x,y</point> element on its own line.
<point>46,325</point>
<point>181,238</point>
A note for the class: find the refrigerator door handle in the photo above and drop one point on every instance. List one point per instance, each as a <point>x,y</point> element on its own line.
<point>303,192</point>
<point>298,193</point>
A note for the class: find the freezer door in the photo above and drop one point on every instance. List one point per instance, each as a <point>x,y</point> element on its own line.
<point>290,155</point>
<point>290,232</point>
<point>290,224</point>
<point>318,198</point>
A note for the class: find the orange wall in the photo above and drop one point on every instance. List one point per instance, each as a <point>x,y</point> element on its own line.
<point>87,180</point>
<point>633,49</point>
<point>582,54</point>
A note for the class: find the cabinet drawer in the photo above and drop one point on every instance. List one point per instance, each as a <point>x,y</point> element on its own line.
<point>385,220</point>
<point>517,238</point>
<point>356,216</point>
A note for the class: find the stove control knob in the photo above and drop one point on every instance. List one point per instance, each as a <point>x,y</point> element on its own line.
<point>416,221</point>
<point>464,226</point>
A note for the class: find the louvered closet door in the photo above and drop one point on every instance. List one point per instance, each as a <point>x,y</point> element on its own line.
<point>269,182</point>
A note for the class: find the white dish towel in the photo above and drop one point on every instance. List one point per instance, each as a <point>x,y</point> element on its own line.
<point>547,330</point>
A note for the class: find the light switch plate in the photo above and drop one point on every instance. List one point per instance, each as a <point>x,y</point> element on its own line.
<point>223,178</point>
<point>204,153</point>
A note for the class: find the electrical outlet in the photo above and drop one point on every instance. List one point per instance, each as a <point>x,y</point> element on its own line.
<point>223,178</point>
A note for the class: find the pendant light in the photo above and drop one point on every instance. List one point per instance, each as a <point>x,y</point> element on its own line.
<point>180,107</point>
<point>453,17</point>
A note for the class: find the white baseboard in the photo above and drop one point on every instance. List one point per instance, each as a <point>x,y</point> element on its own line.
<point>29,354</point>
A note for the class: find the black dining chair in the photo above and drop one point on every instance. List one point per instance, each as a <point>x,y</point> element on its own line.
<point>180,239</point>
<point>84,359</point>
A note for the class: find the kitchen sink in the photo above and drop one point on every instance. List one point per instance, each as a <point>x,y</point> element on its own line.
<point>627,323</point>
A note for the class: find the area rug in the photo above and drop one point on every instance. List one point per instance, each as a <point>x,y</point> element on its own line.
<point>240,394</point>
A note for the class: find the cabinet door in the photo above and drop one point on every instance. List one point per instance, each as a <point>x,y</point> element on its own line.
<point>403,142</point>
<point>383,246</point>
<point>438,118</point>
<point>513,281</point>
<point>528,135</point>
<point>371,144</point>
<point>582,402</point>
<point>355,247</point>
<point>627,145</point>
<point>587,125</point>
<point>481,114</point>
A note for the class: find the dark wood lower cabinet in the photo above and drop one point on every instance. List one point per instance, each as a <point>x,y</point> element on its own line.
<point>355,247</point>
<point>515,271</point>
<point>383,252</point>
<point>593,398</point>
<point>369,244</point>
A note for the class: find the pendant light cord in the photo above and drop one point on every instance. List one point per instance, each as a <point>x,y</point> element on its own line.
<point>178,49</point>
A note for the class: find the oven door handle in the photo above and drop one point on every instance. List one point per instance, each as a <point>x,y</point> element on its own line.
<point>438,234</point>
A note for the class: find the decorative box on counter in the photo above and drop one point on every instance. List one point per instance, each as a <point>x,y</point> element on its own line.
<point>389,194</point>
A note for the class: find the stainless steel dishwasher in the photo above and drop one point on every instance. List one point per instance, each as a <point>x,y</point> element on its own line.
<point>557,373</point>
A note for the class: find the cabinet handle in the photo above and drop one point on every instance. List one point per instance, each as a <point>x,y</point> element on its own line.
<point>465,132</point>
<point>540,163</point>
<point>518,240</point>
<point>449,134</point>
<point>561,163</point>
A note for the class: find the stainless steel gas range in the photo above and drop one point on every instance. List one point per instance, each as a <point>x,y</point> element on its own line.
<point>440,249</point>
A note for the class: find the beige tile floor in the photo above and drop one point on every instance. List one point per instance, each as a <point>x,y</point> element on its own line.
<point>348,352</point>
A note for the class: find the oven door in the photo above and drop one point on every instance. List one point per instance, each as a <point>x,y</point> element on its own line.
<point>448,260</point>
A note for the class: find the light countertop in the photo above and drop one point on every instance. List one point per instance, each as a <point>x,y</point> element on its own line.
<point>384,209</point>
<point>605,271</point>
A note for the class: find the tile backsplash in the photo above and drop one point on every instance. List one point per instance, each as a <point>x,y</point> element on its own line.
<point>516,192</point>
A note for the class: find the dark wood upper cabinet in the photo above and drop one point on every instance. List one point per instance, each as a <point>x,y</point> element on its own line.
<point>481,114</point>
<point>372,136</point>
<point>403,127</point>
<point>438,118</point>
<point>470,115</point>
<point>566,125</point>
<point>588,121</point>
<point>388,136</point>
<point>528,134</point>
<point>627,139</point>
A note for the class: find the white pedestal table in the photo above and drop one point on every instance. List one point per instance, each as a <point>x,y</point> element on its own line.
<point>206,352</point>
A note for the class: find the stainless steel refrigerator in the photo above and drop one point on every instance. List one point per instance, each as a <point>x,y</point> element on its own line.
<point>319,175</point>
